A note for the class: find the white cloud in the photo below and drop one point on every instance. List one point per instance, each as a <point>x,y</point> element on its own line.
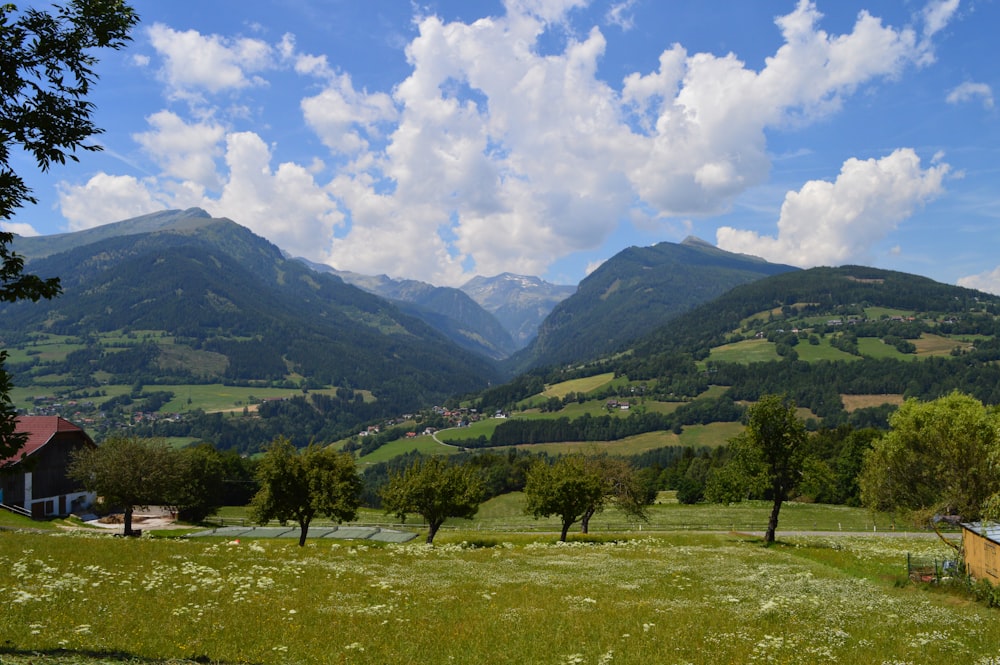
<point>284,203</point>
<point>835,223</point>
<point>969,91</point>
<point>988,281</point>
<point>620,14</point>
<point>194,62</point>
<point>184,151</point>
<point>937,14</point>
<point>490,156</point>
<point>20,228</point>
<point>344,118</point>
<point>106,198</point>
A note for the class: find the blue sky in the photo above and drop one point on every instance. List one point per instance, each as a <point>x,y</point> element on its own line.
<point>442,139</point>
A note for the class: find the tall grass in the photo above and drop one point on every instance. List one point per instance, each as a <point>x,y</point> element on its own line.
<point>514,599</point>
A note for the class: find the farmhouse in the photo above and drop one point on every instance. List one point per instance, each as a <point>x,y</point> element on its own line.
<point>35,478</point>
<point>981,550</point>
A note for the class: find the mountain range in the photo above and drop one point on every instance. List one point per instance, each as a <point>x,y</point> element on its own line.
<point>180,298</point>
<point>223,304</point>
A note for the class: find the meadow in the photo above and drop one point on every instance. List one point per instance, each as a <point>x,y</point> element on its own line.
<point>505,598</point>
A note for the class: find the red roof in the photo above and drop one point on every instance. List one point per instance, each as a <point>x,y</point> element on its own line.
<point>40,431</point>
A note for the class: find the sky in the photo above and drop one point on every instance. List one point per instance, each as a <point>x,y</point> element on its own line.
<point>444,139</point>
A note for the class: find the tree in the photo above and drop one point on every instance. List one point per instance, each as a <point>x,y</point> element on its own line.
<point>569,487</point>
<point>47,64</point>
<point>298,485</point>
<point>435,490</point>
<point>622,488</point>
<point>935,460</point>
<point>202,487</point>
<point>770,452</point>
<point>126,472</point>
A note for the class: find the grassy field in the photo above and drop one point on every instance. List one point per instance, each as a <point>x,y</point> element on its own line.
<point>478,597</point>
<point>585,385</point>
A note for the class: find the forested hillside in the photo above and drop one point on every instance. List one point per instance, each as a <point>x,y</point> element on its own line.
<point>207,302</point>
<point>635,292</point>
<point>847,344</point>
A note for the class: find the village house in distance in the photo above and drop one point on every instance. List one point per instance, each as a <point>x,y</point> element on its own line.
<point>33,482</point>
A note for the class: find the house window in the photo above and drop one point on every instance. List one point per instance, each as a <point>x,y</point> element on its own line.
<point>990,563</point>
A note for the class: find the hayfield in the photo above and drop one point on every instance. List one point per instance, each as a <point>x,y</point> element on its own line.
<point>505,598</point>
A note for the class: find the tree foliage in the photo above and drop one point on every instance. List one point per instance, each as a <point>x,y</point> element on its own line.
<point>126,472</point>
<point>301,484</point>
<point>47,64</point>
<point>568,487</point>
<point>622,488</point>
<point>436,490</point>
<point>935,460</point>
<point>770,452</point>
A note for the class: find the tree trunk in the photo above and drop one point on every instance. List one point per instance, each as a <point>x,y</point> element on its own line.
<point>940,535</point>
<point>772,523</point>
<point>304,524</point>
<point>432,529</point>
<point>565,530</point>
<point>128,520</point>
<point>585,521</point>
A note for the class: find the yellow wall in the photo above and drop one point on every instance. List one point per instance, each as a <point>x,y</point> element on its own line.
<point>982,556</point>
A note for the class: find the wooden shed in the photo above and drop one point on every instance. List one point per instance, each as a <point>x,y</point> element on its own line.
<point>35,478</point>
<point>981,550</point>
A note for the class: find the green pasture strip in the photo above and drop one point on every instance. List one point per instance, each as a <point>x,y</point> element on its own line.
<point>711,435</point>
<point>481,597</point>
<point>873,347</point>
<point>584,385</point>
<point>44,347</point>
<point>423,444</point>
<point>474,430</point>
<point>219,397</point>
<point>822,351</point>
<point>938,345</point>
<point>876,313</point>
<point>747,351</point>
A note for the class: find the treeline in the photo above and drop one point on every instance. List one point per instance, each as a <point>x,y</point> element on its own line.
<point>833,460</point>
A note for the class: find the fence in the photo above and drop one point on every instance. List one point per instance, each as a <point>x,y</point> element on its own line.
<point>929,570</point>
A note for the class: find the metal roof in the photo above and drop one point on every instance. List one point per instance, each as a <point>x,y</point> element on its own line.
<point>990,530</point>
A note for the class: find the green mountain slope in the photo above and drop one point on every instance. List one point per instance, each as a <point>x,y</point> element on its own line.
<point>635,292</point>
<point>232,309</point>
<point>847,344</point>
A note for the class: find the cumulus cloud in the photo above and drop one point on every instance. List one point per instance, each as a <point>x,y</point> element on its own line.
<point>186,151</point>
<point>834,223</point>
<point>106,198</point>
<point>988,281</point>
<point>194,63</point>
<point>969,91</point>
<point>491,156</point>
<point>20,228</point>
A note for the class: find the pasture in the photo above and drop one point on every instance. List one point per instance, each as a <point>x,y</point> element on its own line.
<point>699,598</point>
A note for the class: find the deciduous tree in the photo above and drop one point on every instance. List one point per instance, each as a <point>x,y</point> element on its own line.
<point>770,452</point>
<point>47,65</point>
<point>622,488</point>
<point>299,485</point>
<point>935,460</point>
<point>126,472</point>
<point>435,490</point>
<point>569,487</point>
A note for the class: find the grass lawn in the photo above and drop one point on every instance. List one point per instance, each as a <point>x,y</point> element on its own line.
<point>584,385</point>
<point>482,597</point>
